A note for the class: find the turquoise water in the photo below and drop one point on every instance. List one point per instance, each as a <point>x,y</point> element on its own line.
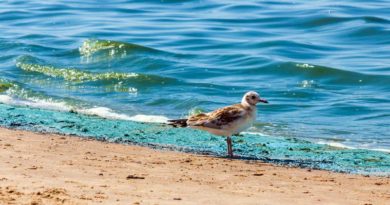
<point>323,65</point>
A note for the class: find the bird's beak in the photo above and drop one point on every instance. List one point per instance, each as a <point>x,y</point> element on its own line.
<point>263,100</point>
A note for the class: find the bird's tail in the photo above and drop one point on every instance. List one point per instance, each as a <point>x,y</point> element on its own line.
<point>178,123</point>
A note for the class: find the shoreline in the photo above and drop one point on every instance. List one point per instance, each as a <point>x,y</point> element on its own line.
<point>279,150</point>
<point>56,169</point>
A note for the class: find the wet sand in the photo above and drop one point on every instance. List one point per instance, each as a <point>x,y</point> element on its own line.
<point>53,169</point>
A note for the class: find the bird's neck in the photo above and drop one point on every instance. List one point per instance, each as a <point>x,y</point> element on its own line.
<point>248,106</point>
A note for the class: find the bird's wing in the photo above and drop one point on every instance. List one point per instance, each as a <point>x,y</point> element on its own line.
<point>218,118</point>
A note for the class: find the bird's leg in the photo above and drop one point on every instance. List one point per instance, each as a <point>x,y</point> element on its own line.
<point>229,146</point>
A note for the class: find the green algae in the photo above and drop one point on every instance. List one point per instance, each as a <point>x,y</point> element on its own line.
<point>71,74</point>
<point>91,46</point>
<point>5,86</point>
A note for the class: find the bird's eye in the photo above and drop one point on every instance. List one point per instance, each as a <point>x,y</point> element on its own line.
<point>253,97</point>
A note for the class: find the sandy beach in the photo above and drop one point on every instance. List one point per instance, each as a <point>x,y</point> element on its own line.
<point>54,169</point>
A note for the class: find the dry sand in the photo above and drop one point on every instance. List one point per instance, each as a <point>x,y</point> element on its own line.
<point>53,169</point>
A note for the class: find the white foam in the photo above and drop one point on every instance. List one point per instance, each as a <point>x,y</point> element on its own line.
<point>304,65</point>
<point>103,112</point>
<point>36,103</point>
<point>336,144</point>
<point>340,145</point>
<point>149,118</point>
<point>5,99</point>
<point>254,133</point>
<point>110,114</point>
<point>382,150</point>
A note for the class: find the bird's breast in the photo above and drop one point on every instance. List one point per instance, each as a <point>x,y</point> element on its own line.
<point>243,123</point>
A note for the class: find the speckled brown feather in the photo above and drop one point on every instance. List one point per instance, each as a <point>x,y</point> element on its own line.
<point>219,118</point>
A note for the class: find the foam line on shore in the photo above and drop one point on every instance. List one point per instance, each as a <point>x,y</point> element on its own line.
<point>102,112</point>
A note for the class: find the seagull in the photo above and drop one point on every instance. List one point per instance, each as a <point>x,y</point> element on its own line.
<point>225,121</point>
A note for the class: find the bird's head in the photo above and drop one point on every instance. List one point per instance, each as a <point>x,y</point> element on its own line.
<point>251,98</point>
